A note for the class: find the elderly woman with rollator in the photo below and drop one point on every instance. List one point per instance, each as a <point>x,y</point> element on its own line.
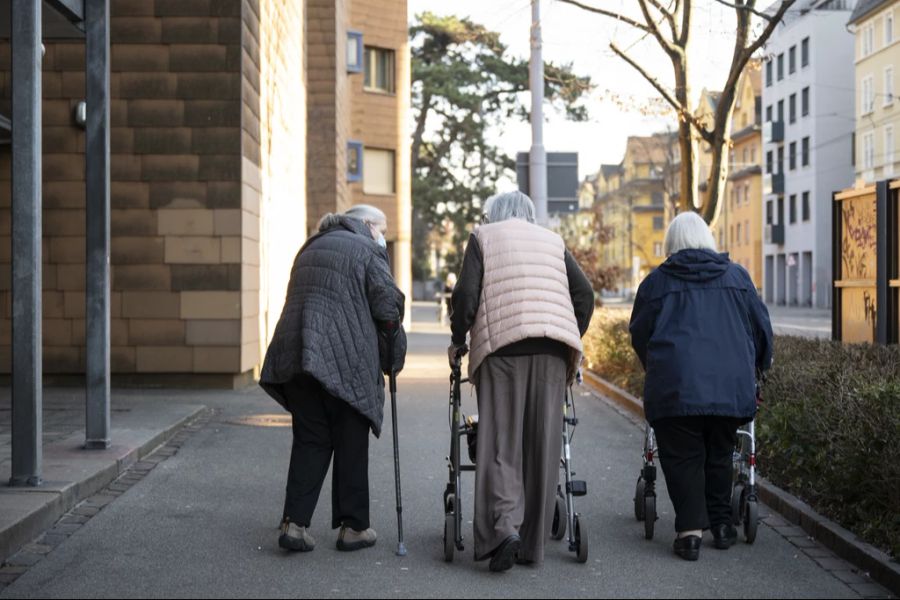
<point>702,334</point>
<point>525,303</point>
<point>325,364</point>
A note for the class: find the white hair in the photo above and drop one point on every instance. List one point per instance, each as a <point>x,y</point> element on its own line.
<point>688,231</point>
<point>364,212</point>
<point>511,205</point>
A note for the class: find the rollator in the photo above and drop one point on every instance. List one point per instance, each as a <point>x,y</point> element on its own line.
<point>564,516</point>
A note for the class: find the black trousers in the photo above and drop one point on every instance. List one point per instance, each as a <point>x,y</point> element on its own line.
<point>324,426</point>
<point>696,456</point>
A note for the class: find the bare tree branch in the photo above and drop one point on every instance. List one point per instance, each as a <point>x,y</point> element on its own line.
<point>668,15</point>
<point>746,7</point>
<point>767,32</point>
<point>608,13</point>
<point>654,28</point>
<point>682,111</point>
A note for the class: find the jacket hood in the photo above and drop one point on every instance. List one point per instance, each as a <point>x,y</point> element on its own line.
<point>696,265</point>
<point>344,222</point>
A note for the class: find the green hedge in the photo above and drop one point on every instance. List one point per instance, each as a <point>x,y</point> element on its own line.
<point>827,430</point>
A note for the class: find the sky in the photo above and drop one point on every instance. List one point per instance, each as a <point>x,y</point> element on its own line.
<point>573,35</point>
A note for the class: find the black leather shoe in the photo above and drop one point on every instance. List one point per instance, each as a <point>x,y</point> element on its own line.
<point>688,547</point>
<point>505,554</point>
<point>724,536</point>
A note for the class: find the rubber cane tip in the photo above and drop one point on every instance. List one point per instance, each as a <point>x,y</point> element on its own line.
<point>401,549</point>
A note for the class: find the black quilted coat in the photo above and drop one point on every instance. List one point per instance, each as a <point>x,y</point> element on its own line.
<point>341,290</point>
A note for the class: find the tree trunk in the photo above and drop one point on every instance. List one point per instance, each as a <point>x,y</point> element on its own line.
<point>420,131</point>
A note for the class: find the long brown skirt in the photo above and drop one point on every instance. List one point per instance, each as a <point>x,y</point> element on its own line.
<point>520,412</point>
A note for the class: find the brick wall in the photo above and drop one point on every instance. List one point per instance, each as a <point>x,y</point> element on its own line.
<point>180,232</point>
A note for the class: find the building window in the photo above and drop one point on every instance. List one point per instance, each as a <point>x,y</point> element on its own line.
<point>867,100</point>
<point>792,108</point>
<point>752,155</point>
<point>868,40</point>
<point>781,66</point>
<point>378,166</point>
<point>658,224</point>
<point>739,234</point>
<point>792,60</point>
<point>731,236</point>
<point>804,152</point>
<point>889,28</point>
<point>747,193</point>
<point>379,70</point>
<point>769,74</point>
<point>792,209</point>
<point>354,160</point>
<point>769,161</point>
<point>354,52</point>
<point>888,149</point>
<point>806,206</point>
<point>868,152</point>
<point>769,113</point>
<point>658,249</point>
<point>780,163</point>
<point>792,156</point>
<point>781,210</point>
<point>781,111</point>
<point>888,85</point>
<point>804,102</point>
<point>768,212</point>
<point>747,232</point>
<point>804,52</point>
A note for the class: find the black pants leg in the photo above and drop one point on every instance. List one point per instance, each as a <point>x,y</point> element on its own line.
<point>322,425</point>
<point>350,474</point>
<point>695,454</point>
<point>311,451</point>
<point>721,437</point>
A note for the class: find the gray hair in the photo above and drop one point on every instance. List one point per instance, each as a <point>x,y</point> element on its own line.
<point>688,231</point>
<point>511,205</point>
<point>364,212</point>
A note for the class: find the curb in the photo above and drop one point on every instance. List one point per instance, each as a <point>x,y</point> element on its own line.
<point>839,540</point>
<point>20,533</point>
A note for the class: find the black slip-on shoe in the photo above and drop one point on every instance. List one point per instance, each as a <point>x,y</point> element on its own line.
<point>724,536</point>
<point>687,547</point>
<point>505,555</point>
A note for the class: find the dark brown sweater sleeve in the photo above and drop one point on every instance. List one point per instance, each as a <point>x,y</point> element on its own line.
<point>467,292</point>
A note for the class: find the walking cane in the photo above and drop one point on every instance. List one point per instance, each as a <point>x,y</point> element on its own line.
<point>393,330</point>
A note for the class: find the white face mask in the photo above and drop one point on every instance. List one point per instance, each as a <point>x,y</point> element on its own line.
<point>381,241</point>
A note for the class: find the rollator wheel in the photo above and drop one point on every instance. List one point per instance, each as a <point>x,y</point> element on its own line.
<point>581,541</point>
<point>737,494</point>
<point>449,529</point>
<point>751,520</point>
<point>649,516</point>
<point>639,499</point>
<point>558,530</point>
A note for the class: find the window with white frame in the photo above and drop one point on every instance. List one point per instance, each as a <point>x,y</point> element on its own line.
<point>888,85</point>
<point>379,66</point>
<point>867,99</point>
<point>747,232</point>
<point>868,151</point>
<point>354,52</point>
<point>888,149</point>
<point>888,27</point>
<point>868,40</point>
<point>658,249</point>
<point>378,171</point>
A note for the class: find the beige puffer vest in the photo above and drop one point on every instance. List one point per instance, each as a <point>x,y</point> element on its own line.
<point>524,292</point>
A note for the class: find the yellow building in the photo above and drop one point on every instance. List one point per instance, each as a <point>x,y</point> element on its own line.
<point>877,117</point>
<point>739,229</point>
<point>632,197</point>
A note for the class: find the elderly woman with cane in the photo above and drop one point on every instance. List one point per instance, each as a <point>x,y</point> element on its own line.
<point>525,303</point>
<point>702,333</point>
<point>325,366</point>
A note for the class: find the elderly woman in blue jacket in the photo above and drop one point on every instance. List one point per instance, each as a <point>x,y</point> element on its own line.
<point>702,333</point>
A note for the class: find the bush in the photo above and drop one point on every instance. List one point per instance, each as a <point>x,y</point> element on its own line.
<point>827,429</point>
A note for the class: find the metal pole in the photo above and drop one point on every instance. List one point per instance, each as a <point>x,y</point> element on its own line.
<point>537,158</point>
<point>97,294</point>
<point>27,399</point>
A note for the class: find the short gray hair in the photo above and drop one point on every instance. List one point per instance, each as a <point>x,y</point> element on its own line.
<point>511,205</point>
<point>688,231</point>
<point>364,212</point>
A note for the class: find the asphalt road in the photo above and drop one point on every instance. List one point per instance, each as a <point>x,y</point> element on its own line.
<point>204,522</point>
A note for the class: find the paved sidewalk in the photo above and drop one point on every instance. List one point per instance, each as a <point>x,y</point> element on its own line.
<point>203,522</point>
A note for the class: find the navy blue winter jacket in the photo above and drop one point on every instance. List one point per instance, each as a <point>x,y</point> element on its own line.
<point>701,332</point>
